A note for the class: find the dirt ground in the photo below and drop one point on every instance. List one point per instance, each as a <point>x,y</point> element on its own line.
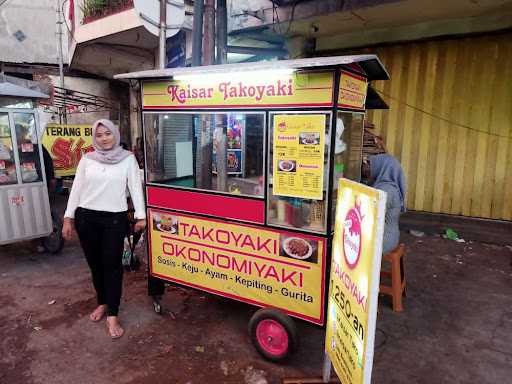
<point>456,328</point>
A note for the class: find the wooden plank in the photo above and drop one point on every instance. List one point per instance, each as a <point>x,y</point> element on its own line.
<point>416,104</point>
<point>426,133</point>
<point>472,102</point>
<point>410,114</point>
<point>393,127</point>
<point>480,121</point>
<point>459,52</point>
<point>401,98</point>
<point>458,141</point>
<point>447,66</point>
<point>461,117</point>
<point>486,181</point>
<point>506,212</point>
<point>377,114</point>
<point>385,88</point>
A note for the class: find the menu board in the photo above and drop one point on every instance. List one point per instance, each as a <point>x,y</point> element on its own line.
<point>299,156</point>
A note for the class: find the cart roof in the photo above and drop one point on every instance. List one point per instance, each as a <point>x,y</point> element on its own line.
<point>369,64</point>
<point>13,90</point>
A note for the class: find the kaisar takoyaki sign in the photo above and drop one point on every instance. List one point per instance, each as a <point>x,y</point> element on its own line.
<point>255,265</point>
<point>251,89</point>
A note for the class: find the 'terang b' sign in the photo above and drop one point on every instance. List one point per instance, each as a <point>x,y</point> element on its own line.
<point>66,145</point>
<point>299,89</point>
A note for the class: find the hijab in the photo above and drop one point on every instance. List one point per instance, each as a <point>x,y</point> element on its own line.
<point>107,156</point>
<point>385,169</point>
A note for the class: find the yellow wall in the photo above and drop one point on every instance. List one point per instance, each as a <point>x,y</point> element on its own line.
<point>450,123</point>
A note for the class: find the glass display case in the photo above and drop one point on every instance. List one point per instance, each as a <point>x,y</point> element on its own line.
<point>7,162</point>
<point>188,149</point>
<point>23,192</point>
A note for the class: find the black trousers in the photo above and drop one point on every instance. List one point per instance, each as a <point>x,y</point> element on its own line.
<point>102,238</point>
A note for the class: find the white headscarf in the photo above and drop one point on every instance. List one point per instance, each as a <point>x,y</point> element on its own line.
<point>110,156</point>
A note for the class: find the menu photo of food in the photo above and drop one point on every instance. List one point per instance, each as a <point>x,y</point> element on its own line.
<point>28,166</point>
<point>27,147</point>
<point>165,223</point>
<point>299,248</point>
<point>309,138</point>
<point>287,165</point>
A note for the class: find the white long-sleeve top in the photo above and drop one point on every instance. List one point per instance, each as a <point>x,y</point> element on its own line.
<point>102,187</point>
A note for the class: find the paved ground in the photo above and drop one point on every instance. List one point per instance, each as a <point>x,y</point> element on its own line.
<point>456,328</point>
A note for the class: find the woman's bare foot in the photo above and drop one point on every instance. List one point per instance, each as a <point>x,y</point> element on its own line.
<point>114,328</point>
<point>98,313</point>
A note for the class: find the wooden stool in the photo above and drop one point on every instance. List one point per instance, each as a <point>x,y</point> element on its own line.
<point>397,274</point>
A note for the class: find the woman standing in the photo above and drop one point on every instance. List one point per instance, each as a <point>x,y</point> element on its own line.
<point>97,209</point>
<point>384,172</point>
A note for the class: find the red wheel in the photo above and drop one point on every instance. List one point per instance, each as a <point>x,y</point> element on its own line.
<point>273,333</point>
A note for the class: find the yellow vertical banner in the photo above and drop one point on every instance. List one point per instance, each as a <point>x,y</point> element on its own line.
<point>66,145</point>
<point>299,156</point>
<point>354,281</point>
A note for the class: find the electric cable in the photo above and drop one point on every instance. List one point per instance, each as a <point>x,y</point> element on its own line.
<point>441,117</point>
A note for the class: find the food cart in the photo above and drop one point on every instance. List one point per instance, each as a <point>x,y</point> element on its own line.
<point>24,200</point>
<point>242,163</point>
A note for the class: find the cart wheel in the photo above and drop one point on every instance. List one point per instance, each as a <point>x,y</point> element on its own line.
<point>54,242</point>
<point>273,333</point>
<point>157,306</point>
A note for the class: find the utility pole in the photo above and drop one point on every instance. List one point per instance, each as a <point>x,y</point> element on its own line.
<point>60,21</point>
<point>197,33</point>
<point>222,32</point>
<point>163,32</point>
<point>209,33</point>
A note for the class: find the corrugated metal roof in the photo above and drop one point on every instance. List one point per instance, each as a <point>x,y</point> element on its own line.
<point>13,90</point>
<point>370,64</point>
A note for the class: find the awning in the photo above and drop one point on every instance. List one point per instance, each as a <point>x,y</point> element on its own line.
<point>13,90</point>
<point>369,64</point>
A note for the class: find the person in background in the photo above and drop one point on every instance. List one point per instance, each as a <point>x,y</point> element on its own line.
<point>49,171</point>
<point>97,209</point>
<point>384,172</point>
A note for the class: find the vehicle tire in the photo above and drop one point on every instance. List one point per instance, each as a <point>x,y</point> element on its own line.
<point>273,334</point>
<point>54,242</point>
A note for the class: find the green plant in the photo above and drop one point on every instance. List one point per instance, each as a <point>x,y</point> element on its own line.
<point>93,7</point>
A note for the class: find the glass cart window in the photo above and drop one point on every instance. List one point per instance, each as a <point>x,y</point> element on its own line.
<point>208,151</point>
<point>299,170</point>
<point>348,151</point>
<point>7,163</point>
<point>28,150</point>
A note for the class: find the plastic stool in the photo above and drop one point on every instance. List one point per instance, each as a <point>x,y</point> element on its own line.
<point>397,274</point>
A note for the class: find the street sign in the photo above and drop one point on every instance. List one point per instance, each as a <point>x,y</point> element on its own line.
<point>354,282</point>
<point>149,13</point>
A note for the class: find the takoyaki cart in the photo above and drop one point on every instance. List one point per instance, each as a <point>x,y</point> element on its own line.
<point>242,163</point>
